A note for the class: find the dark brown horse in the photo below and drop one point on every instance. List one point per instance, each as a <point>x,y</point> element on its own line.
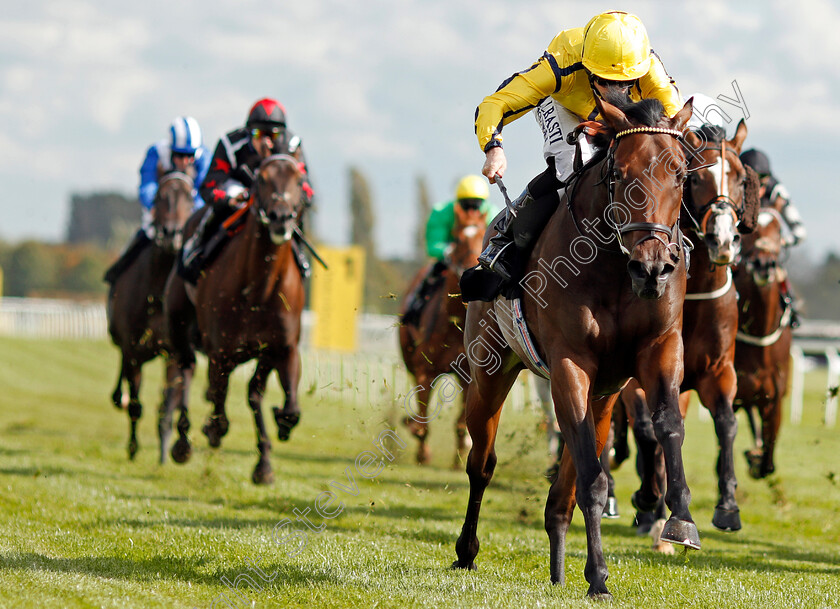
<point>135,300</point>
<point>247,305</point>
<point>717,206</point>
<point>601,307</point>
<point>762,355</point>
<point>435,344</point>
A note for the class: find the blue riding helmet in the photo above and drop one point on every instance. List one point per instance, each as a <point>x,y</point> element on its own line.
<point>185,135</point>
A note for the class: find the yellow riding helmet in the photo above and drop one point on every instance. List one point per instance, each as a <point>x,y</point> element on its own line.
<point>616,46</point>
<point>472,187</point>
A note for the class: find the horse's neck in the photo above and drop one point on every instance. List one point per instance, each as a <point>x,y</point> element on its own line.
<point>762,307</point>
<point>705,276</point>
<point>264,263</point>
<point>161,262</point>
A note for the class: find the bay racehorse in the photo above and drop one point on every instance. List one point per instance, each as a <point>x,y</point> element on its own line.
<point>720,202</point>
<point>430,348</point>
<point>246,305</point>
<point>605,285</point>
<point>762,354</point>
<point>135,299</point>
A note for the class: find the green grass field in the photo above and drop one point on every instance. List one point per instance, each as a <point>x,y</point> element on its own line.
<point>84,527</point>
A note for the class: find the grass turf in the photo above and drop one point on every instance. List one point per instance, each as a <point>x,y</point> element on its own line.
<point>84,527</point>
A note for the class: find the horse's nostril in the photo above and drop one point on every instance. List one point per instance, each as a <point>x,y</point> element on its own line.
<point>736,239</point>
<point>667,269</point>
<point>636,269</point>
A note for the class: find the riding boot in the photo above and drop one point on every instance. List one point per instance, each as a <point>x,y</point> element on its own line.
<point>196,251</point>
<point>417,300</point>
<point>788,302</point>
<point>517,233</point>
<point>135,246</point>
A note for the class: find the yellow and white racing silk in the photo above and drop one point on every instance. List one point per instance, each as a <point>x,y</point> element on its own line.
<point>560,74</point>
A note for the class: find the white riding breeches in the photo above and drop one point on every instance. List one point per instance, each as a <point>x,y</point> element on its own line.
<point>556,123</point>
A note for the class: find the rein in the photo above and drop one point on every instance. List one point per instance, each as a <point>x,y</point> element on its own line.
<point>770,339</point>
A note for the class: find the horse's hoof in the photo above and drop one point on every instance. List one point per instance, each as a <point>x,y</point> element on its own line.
<point>726,520</point>
<point>285,423</point>
<point>470,567</point>
<point>640,504</point>
<point>662,547</point>
<point>643,522</point>
<point>181,451</point>
<point>214,439</point>
<point>611,509</point>
<point>262,475</point>
<point>599,596</point>
<point>132,450</point>
<point>681,533</point>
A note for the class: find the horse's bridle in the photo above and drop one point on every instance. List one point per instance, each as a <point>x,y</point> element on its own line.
<point>652,227</point>
<point>721,203</point>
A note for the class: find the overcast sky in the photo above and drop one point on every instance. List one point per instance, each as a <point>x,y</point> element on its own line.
<point>389,86</point>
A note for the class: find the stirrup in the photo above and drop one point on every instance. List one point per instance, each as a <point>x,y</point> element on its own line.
<point>492,264</point>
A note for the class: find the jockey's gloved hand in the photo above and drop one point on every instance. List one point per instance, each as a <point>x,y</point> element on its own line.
<point>239,199</point>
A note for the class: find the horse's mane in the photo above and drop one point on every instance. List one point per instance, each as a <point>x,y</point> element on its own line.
<point>711,134</point>
<point>644,113</point>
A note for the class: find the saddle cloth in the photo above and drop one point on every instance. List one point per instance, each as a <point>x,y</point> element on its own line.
<point>515,331</point>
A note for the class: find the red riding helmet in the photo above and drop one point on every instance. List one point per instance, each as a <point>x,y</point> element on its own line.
<point>267,112</point>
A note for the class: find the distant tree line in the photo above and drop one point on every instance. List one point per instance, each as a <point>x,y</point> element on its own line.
<point>102,223</point>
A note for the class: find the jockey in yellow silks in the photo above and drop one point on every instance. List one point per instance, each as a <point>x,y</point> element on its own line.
<point>611,55</point>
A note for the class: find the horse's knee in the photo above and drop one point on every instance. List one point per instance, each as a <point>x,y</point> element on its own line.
<point>479,470</point>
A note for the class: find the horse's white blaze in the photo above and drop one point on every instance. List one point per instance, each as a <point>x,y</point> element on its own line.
<point>719,171</point>
<point>470,231</point>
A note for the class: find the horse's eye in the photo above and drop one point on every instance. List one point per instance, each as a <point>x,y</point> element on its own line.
<point>616,175</point>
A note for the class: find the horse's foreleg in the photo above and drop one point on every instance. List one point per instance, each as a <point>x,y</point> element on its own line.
<point>135,409</point>
<point>659,370</point>
<point>256,390</point>
<point>611,507</point>
<point>716,392</point>
<point>416,419</point>
<point>649,495</point>
<point>217,425</point>
<point>585,426</point>
<point>182,449</point>
<point>167,407</point>
<point>289,375</point>
<point>485,397</point>
<point>463,442</point>
<point>117,397</point>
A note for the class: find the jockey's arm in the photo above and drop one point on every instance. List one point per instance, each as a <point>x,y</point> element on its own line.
<point>515,97</point>
<point>781,200</point>
<point>213,189</point>
<point>149,178</point>
<point>202,166</point>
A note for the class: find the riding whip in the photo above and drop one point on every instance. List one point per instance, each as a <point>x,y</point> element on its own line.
<point>501,184</point>
<point>310,247</point>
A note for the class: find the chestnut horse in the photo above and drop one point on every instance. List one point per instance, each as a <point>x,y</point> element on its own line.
<point>762,354</point>
<point>246,305</point>
<point>435,344</point>
<point>603,308</point>
<point>135,300</point>
<point>720,200</point>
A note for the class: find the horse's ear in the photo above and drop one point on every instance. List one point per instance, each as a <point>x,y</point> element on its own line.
<point>740,136</point>
<point>614,117</point>
<point>682,117</point>
<point>752,201</point>
<point>692,140</point>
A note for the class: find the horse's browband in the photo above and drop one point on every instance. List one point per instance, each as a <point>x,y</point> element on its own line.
<point>674,132</point>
